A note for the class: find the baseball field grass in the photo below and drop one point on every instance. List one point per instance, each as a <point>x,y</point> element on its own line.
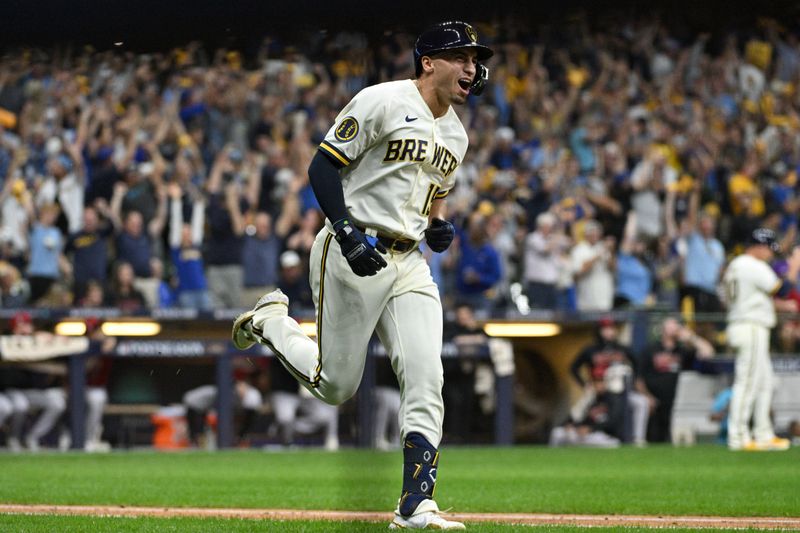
<point>83,524</point>
<point>659,480</point>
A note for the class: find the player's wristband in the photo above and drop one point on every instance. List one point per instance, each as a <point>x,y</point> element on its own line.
<point>339,224</point>
<point>342,228</point>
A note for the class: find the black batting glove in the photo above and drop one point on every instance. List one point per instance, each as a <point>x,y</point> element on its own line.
<point>439,235</point>
<point>361,254</point>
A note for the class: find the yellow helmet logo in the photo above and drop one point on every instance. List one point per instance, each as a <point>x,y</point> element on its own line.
<point>471,34</point>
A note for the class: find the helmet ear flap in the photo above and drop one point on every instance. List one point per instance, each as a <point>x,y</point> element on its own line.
<point>480,81</point>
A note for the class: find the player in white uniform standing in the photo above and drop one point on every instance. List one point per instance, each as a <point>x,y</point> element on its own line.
<point>381,176</point>
<point>750,284</point>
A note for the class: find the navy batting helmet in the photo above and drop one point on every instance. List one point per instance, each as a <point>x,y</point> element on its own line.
<point>766,237</point>
<point>448,36</point>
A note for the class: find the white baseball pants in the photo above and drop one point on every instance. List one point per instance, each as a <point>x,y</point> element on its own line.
<point>752,385</point>
<point>401,303</point>
<point>52,403</point>
<point>96,400</point>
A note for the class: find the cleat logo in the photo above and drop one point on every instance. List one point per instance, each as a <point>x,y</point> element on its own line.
<point>427,456</point>
<point>432,475</point>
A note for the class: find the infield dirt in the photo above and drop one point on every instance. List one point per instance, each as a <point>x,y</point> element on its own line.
<point>699,522</point>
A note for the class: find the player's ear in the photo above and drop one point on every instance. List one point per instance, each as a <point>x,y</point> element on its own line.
<point>427,64</point>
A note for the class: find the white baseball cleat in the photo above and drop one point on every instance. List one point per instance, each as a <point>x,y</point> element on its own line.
<point>426,520</point>
<point>242,334</point>
<point>427,516</point>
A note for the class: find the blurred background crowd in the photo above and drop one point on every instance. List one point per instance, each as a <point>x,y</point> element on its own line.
<point>616,163</point>
<point>609,167</point>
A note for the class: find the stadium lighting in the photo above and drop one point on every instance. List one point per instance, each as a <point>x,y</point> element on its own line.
<point>521,329</point>
<point>131,329</point>
<point>70,328</point>
<point>309,328</point>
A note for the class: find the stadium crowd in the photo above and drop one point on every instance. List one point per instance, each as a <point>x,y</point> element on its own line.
<point>609,168</point>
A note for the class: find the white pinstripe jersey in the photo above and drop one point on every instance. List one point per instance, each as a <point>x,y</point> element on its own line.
<point>749,286</point>
<point>395,158</point>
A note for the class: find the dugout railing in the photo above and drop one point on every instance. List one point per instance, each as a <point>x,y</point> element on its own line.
<point>223,356</point>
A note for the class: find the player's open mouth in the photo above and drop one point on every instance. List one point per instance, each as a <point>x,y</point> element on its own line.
<point>464,83</point>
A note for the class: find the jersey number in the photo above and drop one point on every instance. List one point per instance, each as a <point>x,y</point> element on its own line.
<point>432,190</point>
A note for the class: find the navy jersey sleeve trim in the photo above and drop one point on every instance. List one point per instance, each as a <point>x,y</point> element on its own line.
<point>334,154</point>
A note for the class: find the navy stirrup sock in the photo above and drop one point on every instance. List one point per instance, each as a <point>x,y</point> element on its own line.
<point>420,460</point>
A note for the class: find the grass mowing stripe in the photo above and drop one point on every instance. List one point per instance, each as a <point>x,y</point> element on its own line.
<point>84,524</point>
<point>703,480</point>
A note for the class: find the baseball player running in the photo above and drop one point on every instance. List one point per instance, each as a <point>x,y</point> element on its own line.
<point>381,176</point>
<point>750,284</point>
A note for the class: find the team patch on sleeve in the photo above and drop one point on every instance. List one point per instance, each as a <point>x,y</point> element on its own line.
<point>346,130</point>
